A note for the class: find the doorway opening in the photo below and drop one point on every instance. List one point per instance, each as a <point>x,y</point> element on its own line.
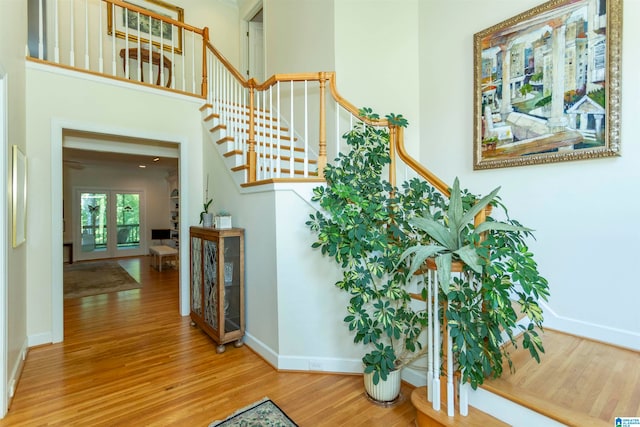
<point>254,49</point>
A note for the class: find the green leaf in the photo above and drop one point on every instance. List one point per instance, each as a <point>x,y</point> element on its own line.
<point>443,263</point>
<point>469,256</point>
<point>421,253</point>
<point>477,207</point>
<point>436,230</point>
<point>499,226</point>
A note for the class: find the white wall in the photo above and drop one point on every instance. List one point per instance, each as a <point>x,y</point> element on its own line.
<point>376,60</point>
<point>299,36</point>
<point>584,212</point>
<point>13,33</point>
<point>56,101</point>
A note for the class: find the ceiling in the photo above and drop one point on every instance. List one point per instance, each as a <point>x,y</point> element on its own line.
<point>82,149</point>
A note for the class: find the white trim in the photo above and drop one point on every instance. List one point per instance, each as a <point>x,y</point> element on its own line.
<point>508,411</point>
<point>594,331</point>
<point>198,100</point>
<point>57,128</point>
<point>4,244</point>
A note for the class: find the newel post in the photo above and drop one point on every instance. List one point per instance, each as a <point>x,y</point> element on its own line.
<point>322,143</point>
<point>395,133</point>
<point>205,41</point>
<point>251,150</point>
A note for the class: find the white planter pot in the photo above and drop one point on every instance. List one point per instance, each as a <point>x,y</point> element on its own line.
<point>384,391</point>
<point>207,220</point>
<point>223,221</point>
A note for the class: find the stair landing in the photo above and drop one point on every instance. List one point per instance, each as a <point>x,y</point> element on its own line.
<point>579,382</point>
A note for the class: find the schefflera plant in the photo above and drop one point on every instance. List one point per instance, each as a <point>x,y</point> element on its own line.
<point>363,224</point>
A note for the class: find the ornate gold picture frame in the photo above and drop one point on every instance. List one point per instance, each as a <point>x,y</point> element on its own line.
<point>547,85</point>
<point>130,22</point>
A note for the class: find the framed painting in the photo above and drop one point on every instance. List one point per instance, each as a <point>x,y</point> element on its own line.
<point>547,85</point>
<point>145,27</point>
<point>18,196</point>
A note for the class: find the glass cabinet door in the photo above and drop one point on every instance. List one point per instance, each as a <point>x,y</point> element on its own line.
<point>211,283</point>
<point>196,275</point>
<point>232,311</point>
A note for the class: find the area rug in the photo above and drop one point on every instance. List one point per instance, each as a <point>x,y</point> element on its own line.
<point>95,278</point>
<point>259,414</point>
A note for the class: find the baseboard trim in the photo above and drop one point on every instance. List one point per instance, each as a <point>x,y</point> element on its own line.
<point>16,371</point>
<point>593,331</point>
<point>40,339</point>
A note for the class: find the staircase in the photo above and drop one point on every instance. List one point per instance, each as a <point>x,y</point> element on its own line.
<point>278,152</point>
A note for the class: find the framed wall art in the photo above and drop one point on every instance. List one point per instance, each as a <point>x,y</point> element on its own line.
<point>18,196</point>
<point>547,85</point>
<point>159,33</point>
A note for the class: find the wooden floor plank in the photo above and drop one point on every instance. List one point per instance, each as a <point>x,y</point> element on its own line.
<point>128,358</point>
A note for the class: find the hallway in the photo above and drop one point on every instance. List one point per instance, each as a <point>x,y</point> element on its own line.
<point>129,359</point>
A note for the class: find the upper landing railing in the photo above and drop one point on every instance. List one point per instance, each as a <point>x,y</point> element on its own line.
<point>122,41</point>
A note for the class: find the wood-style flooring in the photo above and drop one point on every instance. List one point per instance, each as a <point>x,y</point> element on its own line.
<point>130,359</point>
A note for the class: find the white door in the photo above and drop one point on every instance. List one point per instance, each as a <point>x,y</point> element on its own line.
<point>256,51</point>
<point>109,224</point>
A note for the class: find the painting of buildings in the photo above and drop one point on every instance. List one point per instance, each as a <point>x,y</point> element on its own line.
<point>541,85</point>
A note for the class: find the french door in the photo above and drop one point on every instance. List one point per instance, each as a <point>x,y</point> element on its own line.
<point>109,224</point>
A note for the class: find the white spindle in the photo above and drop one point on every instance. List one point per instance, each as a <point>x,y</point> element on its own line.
<point>274,129</point>
<point>72,59</point>
<point>431,345</point>
<point>56,31</point>
<point>86,34</point>
<point>305,166</point>
<point>193,62</point>
<point>278,164</point>
<point>464,398</point>
<point>436,353</point>
<point>100,49</point>
<point>161,58</point>
<point>40,30</point>
<point>114,69</point>
<point>337,127</point>
<point>150,66</point>
<point>173,63</point>
<point>139,47</point>
<point>126,45</point>
<point>291,132</point>
<point>450,395</point>
<point>184,53</point>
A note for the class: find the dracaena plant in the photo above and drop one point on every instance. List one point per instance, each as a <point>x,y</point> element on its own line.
<point>362,223</point>
<point>500,272</point>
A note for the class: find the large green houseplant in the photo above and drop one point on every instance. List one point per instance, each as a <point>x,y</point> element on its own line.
<point>362,224</point>
<point>499,273</point>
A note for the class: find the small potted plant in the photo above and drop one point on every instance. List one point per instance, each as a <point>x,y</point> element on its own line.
<point>223,219</point>
<point>206,218</point>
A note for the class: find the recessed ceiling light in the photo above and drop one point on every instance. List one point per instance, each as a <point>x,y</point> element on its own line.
<point>142,166</point>
<point>156,159</point>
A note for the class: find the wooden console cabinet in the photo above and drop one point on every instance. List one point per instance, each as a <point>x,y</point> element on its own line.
<point>217,283</point>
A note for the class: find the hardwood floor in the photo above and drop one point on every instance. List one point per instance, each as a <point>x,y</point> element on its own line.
<point>128,358</point>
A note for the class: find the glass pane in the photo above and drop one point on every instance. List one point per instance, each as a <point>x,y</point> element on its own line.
<point>93,222</point>
<point>128,220</point>
<point>196,278</point>
<point>211,283</point>
<point>231,284</point>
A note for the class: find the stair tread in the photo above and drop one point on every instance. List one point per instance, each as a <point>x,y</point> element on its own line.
<point>575,383</point>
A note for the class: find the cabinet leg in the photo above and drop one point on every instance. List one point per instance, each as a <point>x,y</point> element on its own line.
<point>238,343</point>
<point>221,348</point>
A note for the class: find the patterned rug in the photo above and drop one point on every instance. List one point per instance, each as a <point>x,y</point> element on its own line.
<point>263,413</point>
<point>94,278</point>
